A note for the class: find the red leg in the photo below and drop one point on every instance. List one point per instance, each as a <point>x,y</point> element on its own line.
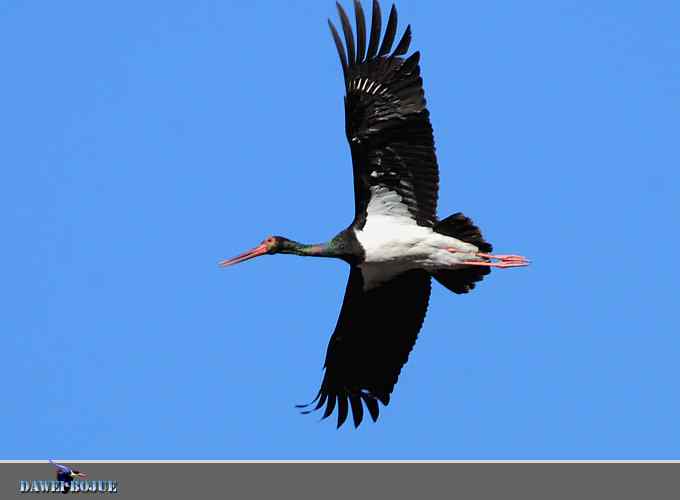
<point>503,257</point>
<point>500,265</point>
<point>499,261</point>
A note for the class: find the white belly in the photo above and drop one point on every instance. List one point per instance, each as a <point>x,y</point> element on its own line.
<point>393,245</point>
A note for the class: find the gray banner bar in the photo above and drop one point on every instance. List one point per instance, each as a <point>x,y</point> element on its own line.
<point>323,481</point>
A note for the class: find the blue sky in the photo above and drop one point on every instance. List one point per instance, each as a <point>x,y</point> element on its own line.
<point>143,142</point>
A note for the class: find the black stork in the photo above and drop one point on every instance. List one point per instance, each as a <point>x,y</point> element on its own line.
<point>67,475</point>
<point>395,244</point>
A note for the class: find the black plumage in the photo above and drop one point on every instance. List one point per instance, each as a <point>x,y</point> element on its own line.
<point>386,119</point>
<point>375,333</point>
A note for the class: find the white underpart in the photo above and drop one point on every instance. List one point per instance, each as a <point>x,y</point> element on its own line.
<point>393,242</point>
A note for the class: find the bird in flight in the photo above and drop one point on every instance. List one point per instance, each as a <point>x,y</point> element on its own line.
<point>395,244</point>
<point>67,475</point>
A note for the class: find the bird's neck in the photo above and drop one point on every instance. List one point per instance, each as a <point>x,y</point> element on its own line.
<point>308,250</point>
<point>343,246</point>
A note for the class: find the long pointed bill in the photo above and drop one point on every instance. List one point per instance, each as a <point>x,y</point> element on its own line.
<point>250,254</point>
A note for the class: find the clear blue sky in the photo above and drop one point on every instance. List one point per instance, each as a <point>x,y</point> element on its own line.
<point>144,141</point>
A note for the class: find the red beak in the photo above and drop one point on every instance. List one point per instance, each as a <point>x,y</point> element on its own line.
<point>250,254</point>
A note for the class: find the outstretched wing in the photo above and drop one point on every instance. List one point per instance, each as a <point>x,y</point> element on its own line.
<point>62,468</point>
<point>387,122</point>
<point>372,340</point>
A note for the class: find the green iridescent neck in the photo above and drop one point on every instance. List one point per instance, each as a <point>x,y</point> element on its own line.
<point>306,250</point>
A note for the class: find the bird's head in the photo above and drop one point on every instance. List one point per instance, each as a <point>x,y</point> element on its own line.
<point>76,473</point>
<point>270,245</point>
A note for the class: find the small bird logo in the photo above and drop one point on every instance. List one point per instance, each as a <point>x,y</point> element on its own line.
<point>66,474</point>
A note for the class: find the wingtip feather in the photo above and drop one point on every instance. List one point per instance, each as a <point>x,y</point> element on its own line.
<point>390,32</point>
<point>349,35</point>
<point>339,47</point>
<point>376,25</point>
<point>343,408</point>
<point>357,410</point>
<point>373,408</point>
<point>402,46</point>
<point>329,407</point>
<point>361,31</point>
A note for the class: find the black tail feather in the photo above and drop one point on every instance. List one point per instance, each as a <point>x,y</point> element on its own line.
<point>461,280</point>
<point>462,228</point>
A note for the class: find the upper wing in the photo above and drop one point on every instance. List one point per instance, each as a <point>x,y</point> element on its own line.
<point>386,120</point>
<point>63,468</point>
<point>374,335</point>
